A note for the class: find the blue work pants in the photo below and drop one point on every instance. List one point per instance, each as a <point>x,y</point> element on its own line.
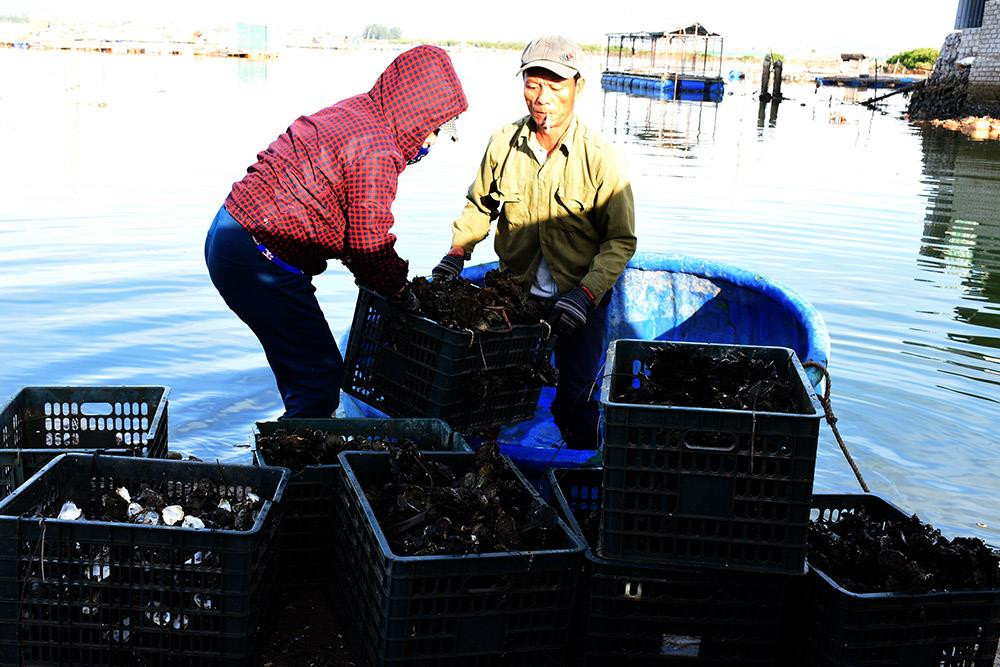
<point>578,359</point>
<point>280,307</point>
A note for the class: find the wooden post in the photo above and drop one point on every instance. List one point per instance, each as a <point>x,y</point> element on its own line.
<point>765,78</point>
<point>776,93</point>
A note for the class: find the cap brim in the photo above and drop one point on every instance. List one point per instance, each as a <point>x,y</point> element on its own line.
<point>559,69</point>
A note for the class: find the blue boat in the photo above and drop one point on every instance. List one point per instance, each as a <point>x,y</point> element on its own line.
<point>672,298</point>
<point>866,81</point>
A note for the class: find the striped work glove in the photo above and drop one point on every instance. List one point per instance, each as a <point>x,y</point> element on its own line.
<point>451,265</point>
<point>571,310</point>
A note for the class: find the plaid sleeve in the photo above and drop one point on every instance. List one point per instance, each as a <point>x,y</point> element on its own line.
<point>368,245</point>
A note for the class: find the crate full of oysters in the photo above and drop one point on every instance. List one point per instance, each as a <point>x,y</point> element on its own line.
<point>113,560</point>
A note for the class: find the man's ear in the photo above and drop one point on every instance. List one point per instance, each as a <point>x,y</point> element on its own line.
<point>579,85</point>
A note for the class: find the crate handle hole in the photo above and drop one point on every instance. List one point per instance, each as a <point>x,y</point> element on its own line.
<point>96,409</point>
<point>487,584</point>
<point>633,590</point>
<point>715,441</point>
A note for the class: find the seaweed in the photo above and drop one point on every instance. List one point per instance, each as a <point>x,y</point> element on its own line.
<point>309,446</point>
<point>426,508</point>
<point>710,377</point>
<point>459,304</point>
<point>867,555</point>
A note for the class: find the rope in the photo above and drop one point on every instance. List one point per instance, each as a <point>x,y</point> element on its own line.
<point>832,420</point>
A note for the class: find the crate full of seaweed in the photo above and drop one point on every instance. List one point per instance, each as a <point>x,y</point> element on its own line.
<point>647,614</point>
<point>474,356</point>
<point>453,559</point>
<point>40,422</point>
<point>709,455</point>
<point>310,449</point>
<point>113,560</point>
<point>890,590</point>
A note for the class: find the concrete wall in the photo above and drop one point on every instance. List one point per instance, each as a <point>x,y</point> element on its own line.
<point>984,77</point>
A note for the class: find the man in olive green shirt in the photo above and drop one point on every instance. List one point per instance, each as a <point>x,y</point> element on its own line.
<point>565,222</point>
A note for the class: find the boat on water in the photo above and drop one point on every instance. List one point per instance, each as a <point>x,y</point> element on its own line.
<point>668,298</point>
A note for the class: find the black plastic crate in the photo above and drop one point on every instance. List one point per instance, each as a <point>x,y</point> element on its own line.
<point>644,614</point>
<point>310,520</point>
<point>505,608</point>
<point>702,486</point>
<point>103,593</point>
<point>943,629</point>
<point>42,422</point>
<point>434,371</point>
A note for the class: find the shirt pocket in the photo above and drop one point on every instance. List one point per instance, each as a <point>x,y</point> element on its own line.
<point>511,207</point>
<point>575,211</point>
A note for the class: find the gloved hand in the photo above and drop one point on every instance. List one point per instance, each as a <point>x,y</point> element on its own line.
<point>570,312</point>
<point>451,265</point>
<point>406,300</point>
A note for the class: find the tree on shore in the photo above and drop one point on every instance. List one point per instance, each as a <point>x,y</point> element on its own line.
<point>915,59</point>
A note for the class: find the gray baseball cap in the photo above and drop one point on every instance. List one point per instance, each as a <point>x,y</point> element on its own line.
<point>555,53</point>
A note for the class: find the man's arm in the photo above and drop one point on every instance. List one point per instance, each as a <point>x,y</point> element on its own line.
<point>473,225</point>
<point>616,211</point>
<point>368,245</point>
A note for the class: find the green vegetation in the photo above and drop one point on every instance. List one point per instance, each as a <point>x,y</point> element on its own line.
<point>379,31</point>
<point>915,58</point>
<point>13,19</point>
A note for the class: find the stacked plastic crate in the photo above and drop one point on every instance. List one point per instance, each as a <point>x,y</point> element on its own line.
<point>703,523</point>
<point>311,519</point>
<point>79,587</point>
<point>493,608</point>
<point>41,422</point>
<point>409,366</point>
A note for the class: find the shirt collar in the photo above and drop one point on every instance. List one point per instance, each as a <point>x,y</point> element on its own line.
<point>527,133</point>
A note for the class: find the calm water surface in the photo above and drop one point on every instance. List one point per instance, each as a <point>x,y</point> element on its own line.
<point>113,167</point>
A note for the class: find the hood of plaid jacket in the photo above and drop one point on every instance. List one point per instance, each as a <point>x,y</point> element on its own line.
<point>416,94</point>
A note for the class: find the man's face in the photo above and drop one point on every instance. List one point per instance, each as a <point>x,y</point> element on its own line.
<point>549,98</point>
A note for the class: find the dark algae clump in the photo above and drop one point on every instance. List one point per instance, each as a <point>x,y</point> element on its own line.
<point>309,446</point>
<point>458,304</point>
<point>866,555</point>
<point>703,377</point>
<point>427,508</point>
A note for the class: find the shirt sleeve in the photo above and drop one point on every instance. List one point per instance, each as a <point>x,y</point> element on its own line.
<point>473,225</point>
<point>368,245</point>
<point>616,206</point>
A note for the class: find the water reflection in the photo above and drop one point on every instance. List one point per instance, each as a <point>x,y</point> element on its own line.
<point>673,124</point>
<point>962,225</point>
<point>251,70</point>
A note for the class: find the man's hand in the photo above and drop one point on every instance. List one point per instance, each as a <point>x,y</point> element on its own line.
<point>406,300</point>
<point>571,310</point>
<point>451,264</point>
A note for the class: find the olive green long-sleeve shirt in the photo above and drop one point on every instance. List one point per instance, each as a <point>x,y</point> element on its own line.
<point>576,210</point>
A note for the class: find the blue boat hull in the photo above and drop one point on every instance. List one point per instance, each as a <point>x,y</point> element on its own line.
<point>668,297</point>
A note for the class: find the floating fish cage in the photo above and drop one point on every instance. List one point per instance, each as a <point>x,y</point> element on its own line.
<point>706,486</point>
<point>83,591</point>
<point>310,519</point>
<point>956,628</point>
<point>685,63</point>
<point>501,608</point>
<point>409,366</point>
<point>39,423</point>
<point>643,614</point>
